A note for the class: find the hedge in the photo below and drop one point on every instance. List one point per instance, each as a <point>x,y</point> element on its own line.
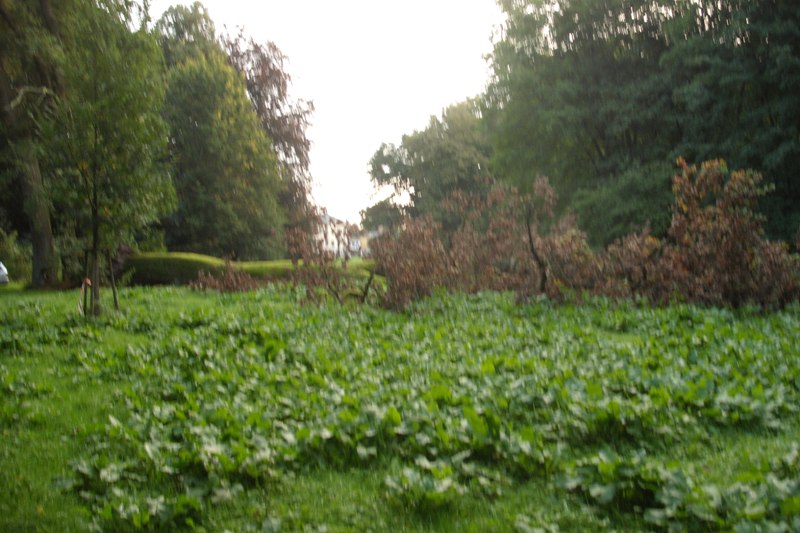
<point>179,268</point>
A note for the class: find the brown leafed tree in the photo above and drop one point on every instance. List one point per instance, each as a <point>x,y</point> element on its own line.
<point>284,120</point>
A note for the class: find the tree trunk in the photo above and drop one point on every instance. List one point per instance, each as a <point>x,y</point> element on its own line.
<point>95,249</point>
<point>45,262</point>
<point>110,262</point>
<point>537,259</point>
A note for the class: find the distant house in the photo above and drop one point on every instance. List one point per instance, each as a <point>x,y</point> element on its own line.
<point>334,235</point>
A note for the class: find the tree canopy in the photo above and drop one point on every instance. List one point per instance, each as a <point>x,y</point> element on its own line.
<point>602,96</point>
<point>450,154</point>
<point>594,93</point>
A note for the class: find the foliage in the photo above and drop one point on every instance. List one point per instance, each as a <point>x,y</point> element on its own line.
<point>30,82</point>
<point>463,400</point>
<point>384,215</point>
<point>451,154</point>
<point>107,138</point>
<point>589,93</point>
<point>719,254</point>
<point>185,32</point>
<point>577,92</point>
<point>504,241</point>
<point>225,167</point>
<point>716,252</point>
<point>624,204</point>
<point>413,261</point>
<point>316,266</point>
<point>285,122</point>
<point>735,71</point>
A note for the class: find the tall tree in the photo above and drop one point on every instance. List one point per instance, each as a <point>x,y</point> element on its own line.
<point>184,32</point>
<point>29,80</point>
<point>735,67</point>
<point>600,94</point>
<point>106,135</point>
<point>226,173</point>
<point>284,121</point>
<point>578,95</point>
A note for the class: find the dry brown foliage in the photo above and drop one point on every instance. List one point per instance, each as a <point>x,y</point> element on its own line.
<point>229,280</point>
<point>715,253</point>
<point>718,253</point>
<point>317,267</point>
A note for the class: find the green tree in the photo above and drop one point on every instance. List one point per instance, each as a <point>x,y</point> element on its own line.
<point>106,135</point>
<point>597,93</point>
<point>451,154</point>
<point>579,95</point>
<point>184,32</point>
<point>30,78</point>
<point>386,214</point>
<point>226,173</point>
<point>735,69</point>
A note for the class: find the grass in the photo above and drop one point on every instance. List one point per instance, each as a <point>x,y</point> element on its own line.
<point>65,381</point>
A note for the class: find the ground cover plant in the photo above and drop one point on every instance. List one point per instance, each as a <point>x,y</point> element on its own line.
<point>247,411</point>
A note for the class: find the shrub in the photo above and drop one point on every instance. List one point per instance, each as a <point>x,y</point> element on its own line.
<point>718,253</point>
<point>500,244</point>
<point>413,261</point>
<point>629,265</point>
<point>164,268</point>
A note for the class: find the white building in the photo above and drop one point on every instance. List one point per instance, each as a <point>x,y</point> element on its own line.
<point>334,236</point>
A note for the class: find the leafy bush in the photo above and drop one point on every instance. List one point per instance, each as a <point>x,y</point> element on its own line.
<point>316,267</point>
<point>505,241</point>
<point>718,253</point>
<point>413,261</point>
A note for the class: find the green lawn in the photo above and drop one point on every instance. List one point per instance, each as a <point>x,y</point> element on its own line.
<point>253,412</point>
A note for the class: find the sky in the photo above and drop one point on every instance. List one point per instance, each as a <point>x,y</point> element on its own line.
<point>374,69</point>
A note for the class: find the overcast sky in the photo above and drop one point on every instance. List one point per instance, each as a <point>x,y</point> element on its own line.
<point>375,70</point>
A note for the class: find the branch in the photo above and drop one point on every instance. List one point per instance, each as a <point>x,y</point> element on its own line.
<point>43,91</point>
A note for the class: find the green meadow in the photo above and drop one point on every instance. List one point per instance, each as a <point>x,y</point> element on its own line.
<point>191,410</point>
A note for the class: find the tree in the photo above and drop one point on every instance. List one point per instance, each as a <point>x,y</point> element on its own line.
<point>384,214</point>
<point>579,95</point>
<point>226,173</point>
<point>451,154</point>
<point>735,67</point>
<point>638,197</point>
<point>184,32</point>
<point>106,134</point>
<point>29,79</point>
<point>589,91</point>
<point>284,121</point>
